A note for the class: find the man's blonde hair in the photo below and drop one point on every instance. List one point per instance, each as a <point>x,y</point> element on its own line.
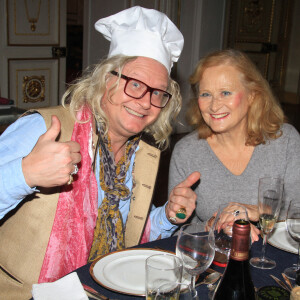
<point>90,88</point>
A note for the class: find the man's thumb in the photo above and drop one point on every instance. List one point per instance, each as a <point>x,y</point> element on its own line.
<point>190,180</point>
<point>54,130</point>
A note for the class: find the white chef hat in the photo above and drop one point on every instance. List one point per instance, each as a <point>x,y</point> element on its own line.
<point>139,31</point>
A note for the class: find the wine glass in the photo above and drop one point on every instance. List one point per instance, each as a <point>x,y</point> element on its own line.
<point>293,228</point>
<point>222,226</point>
<point>197,249</point>
<point>270,191</point>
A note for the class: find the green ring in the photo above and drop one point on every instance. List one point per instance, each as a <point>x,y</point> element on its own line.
<point>181,215</point>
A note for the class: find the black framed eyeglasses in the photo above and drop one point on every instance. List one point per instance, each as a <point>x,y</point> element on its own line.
<point>137,89</point>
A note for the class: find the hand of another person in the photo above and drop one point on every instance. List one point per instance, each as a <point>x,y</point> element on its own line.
<point>228,215</point>
<point>50,163</point>
<point>252,210</point>
<point>227,219</point>
<point>210,222</point>
<point>182,196</point>
<point>254,232</point>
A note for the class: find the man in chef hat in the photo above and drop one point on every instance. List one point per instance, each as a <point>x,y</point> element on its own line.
<point>86,166</point>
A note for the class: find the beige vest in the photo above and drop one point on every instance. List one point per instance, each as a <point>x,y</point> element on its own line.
<point>24,232</point>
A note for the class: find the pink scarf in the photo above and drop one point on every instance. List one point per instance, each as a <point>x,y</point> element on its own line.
<point>75,218</point>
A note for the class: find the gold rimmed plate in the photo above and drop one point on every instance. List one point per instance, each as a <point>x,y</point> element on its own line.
<point>123,271</point>
<point>281,239</point>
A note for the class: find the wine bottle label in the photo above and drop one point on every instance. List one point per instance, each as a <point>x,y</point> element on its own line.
<point>239,255</point>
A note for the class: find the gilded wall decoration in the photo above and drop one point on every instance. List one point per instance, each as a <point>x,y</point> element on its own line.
<point>33,22</point>
<point>34,82</point>
<point>33,89</point>
<point>33,9</point>
<point>255,20</point>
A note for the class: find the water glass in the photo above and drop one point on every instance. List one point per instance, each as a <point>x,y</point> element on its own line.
<point>186,291</point>
<point>163,276</point>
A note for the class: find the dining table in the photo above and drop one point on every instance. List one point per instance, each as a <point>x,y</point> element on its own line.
<point>260,277</point>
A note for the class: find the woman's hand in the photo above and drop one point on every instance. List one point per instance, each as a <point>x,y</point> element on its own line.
<point>252,210</point>
<point>182,196</point>
<point>50,163</point>
<point>255,232</point>
<point>210,222</point>
<point>227,218</point>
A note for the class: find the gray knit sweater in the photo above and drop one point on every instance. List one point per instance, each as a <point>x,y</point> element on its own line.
<point>280,157</point>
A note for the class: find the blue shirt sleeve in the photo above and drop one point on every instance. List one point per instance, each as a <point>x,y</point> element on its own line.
<point>160,225</point>
<point>16,142</point>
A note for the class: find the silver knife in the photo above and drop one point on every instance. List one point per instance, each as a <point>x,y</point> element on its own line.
<point>281,283</point>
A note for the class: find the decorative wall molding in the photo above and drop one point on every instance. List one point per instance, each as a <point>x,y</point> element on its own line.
<point>255,21</point>
<point>33,22</point>
<point>33,89</point>
<point>35,82</point>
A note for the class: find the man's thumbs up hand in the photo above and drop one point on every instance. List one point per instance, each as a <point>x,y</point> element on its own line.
<point>50,162</point>
<point>182,196</point>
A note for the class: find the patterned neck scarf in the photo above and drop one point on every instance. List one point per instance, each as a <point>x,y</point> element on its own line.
<point>109,231</point>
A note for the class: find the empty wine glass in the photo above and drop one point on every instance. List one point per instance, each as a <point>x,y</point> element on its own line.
<point>270,191</point>
<point>293,228</point>
<point>197,249</point>
<point>227,214</point>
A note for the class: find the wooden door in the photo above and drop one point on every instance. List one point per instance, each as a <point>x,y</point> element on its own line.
<point>261,28</point>
<point>33,40</point>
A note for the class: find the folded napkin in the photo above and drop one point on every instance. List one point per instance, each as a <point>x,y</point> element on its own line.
<point>66,288</point>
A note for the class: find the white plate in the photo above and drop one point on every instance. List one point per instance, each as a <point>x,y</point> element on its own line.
<point>281,239</point>
<point>123,271</point>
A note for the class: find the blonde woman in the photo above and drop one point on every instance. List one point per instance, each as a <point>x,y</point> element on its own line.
<point>240,135</point>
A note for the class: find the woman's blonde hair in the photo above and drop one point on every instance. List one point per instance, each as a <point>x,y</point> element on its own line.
<point>90,88</point>
<point>265,115</point>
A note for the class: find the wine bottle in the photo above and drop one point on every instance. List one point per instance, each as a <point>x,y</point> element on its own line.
<point>297,277</point>
<point>236,282</point>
